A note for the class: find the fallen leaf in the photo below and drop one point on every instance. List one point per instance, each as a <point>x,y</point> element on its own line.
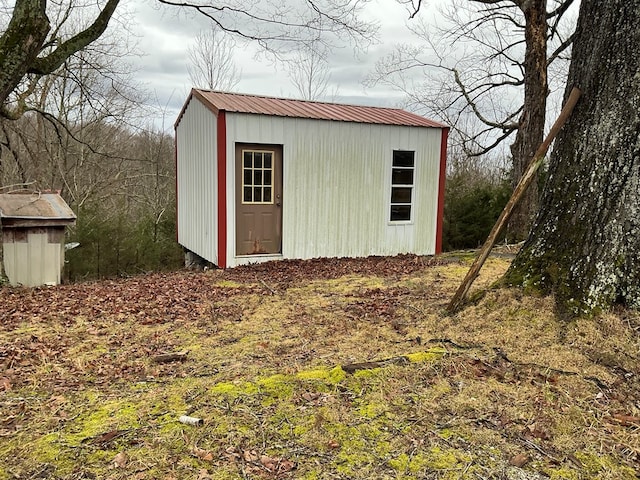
<point>5,383</point>
<point>534,431</point>
<point>107,437</point>
<point>333,444</point>
<point>204,474</point>
<point>268,463</point>
<point>120,460</point>
<point>202,454</point>
<point>519,460</point>
<point>250,456</point>
<point>276,465</point>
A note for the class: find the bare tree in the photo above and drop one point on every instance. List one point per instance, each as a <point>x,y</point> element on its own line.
<point>31,47</point>
<point>490,61</point>
<point>212,60</point>
<point>310,72</point>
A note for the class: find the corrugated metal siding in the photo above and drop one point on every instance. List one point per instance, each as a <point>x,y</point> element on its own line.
<point>33,262</point>
<point>336,185</point>
<point>196,181</point>
<point>281,107</point>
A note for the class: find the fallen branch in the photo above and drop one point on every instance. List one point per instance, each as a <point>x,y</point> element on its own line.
<point>273,292</point>
<point>354,367</point>
<point>170,357</point>
<point>527,178</point>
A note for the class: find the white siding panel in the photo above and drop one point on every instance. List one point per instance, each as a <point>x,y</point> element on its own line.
<point>197,181</point>
<point>34,262</point>
<point>337,185</point>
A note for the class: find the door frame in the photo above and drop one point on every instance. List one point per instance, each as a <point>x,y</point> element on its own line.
<point>277,193</point>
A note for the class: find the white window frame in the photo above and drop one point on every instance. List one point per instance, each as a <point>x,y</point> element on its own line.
<point>412,186</point>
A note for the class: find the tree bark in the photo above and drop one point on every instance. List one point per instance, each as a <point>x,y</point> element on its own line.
<point>21,43</point>
<point>531,123</point>
<point>585,243</point>
<point>25,39</point>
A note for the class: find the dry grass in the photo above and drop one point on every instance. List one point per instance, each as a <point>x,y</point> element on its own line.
<point>502,382</point>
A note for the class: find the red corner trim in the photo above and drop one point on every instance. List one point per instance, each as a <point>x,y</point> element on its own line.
<point>222,189</point>
<point>441,183</point>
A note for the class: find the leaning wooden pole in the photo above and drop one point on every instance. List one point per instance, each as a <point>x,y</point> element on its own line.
<point>523,184</point>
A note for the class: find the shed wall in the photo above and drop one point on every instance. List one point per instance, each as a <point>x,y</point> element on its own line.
<point>196,174</point>
<point>337,186</point>
<point>33,257</point>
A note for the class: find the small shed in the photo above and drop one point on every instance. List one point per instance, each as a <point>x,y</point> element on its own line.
<point>261,178</point>
<point>33,237</point>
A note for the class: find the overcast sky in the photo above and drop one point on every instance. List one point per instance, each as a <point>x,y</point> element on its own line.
<point>165,35</point>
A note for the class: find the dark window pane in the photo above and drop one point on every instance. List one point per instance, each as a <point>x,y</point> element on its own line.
<point>257,194</point>
<point>257,177</point>
<point>400,213</point>
<point>402,159</point>
<point>257,160</point>
<point>247,159</point>
<point>247,194</point>
<point>247,177</point>
<point>400,195</point>
<point>267,194</point>
<point>267,160</point>
<point>267,178</point>
<point>401,176</point>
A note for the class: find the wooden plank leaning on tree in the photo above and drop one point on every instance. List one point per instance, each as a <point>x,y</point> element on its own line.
<point>523,184</point>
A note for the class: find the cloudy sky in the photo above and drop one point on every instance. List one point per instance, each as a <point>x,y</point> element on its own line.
<point>165,34</point>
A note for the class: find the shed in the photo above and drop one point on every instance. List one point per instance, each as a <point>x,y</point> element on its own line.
<point>261,178</point>
<point>33,237</point>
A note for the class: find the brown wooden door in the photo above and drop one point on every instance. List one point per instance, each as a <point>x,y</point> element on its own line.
<point>258,199</point>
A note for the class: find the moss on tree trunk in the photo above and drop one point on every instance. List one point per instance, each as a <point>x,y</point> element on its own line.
<point>585,243</point>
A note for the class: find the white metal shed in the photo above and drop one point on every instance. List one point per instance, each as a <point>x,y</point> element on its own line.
<point>33,225</point>
<point>262,178</point>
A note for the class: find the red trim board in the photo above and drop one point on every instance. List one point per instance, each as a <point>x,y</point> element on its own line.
<point>441,184</point>
<point>222,189</point>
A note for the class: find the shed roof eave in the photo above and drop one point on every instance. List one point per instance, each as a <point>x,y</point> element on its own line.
<point>290,108</point>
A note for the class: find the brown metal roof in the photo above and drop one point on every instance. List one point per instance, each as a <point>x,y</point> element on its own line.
<point>34,206</point>
<point>281,107</point>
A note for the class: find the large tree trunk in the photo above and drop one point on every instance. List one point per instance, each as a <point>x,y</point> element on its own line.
<point>531,124</point>
<point>585,243</point>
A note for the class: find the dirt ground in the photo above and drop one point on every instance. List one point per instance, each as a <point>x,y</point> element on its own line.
<point>322,369</point>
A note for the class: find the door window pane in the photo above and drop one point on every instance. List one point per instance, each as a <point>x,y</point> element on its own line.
<point>257,176</point>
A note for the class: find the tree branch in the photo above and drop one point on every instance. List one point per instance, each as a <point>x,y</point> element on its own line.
<point>50,63</point>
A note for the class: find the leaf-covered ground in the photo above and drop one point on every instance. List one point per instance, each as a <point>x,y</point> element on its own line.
<point>327,369</point>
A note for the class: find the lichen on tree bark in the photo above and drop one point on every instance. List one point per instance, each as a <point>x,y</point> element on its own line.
<point>585,243</point>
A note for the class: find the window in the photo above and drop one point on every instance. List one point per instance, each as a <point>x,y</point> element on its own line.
<point>257,176</point>
<point>402,173</point>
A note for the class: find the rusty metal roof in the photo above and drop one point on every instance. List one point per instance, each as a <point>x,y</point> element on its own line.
<point>281,107</point>
<point>34,206</point>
